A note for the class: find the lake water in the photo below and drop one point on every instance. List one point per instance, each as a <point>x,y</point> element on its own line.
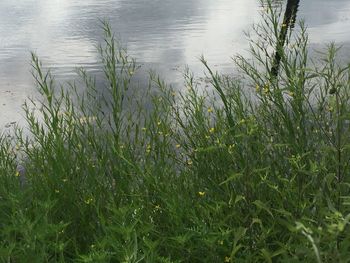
<point>161,34</point>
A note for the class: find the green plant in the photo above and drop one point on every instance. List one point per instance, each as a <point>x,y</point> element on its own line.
<point>253,170</point>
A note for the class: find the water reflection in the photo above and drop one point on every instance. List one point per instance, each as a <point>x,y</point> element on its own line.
<point>161,34</point>
<point>327,20</point>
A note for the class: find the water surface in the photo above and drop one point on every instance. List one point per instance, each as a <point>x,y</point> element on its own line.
<point>161,34</point>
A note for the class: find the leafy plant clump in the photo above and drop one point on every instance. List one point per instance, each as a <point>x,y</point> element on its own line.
<point>257,173</point>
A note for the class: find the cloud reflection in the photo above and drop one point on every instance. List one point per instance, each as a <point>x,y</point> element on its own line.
<point>162,34</point>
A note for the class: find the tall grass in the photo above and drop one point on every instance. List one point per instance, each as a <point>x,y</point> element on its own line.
<point>256,173</point>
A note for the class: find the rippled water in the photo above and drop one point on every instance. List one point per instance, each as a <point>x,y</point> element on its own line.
<point>160,34</point>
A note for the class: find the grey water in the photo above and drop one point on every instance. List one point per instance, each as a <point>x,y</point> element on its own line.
<point>163,35</point>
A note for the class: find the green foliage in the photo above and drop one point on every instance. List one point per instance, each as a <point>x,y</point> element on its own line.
<point>256,172</point>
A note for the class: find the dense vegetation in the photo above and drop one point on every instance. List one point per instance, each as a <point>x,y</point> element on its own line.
<point>254,169</point>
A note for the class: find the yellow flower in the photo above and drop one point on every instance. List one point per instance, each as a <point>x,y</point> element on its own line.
<point>57,191</point>
<point>17,173</point>
<point>257,88</point>
<point>266,89</point>
<point>220,242</point>
<point>159,123</point>
<point>227,259</point>
<point>242,121</point>
<point>144,129</point>
<point>178,146</point>
<point>210,110</point>
<point>189,162</point>
<point>284,25</point>
<point>231,148</point>
<point>148,149</point>
<point>89,201</point>
<point>212,130</point>
<point>201,193</point>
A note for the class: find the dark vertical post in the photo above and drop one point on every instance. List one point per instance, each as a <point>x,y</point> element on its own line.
<point>288,23</point>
